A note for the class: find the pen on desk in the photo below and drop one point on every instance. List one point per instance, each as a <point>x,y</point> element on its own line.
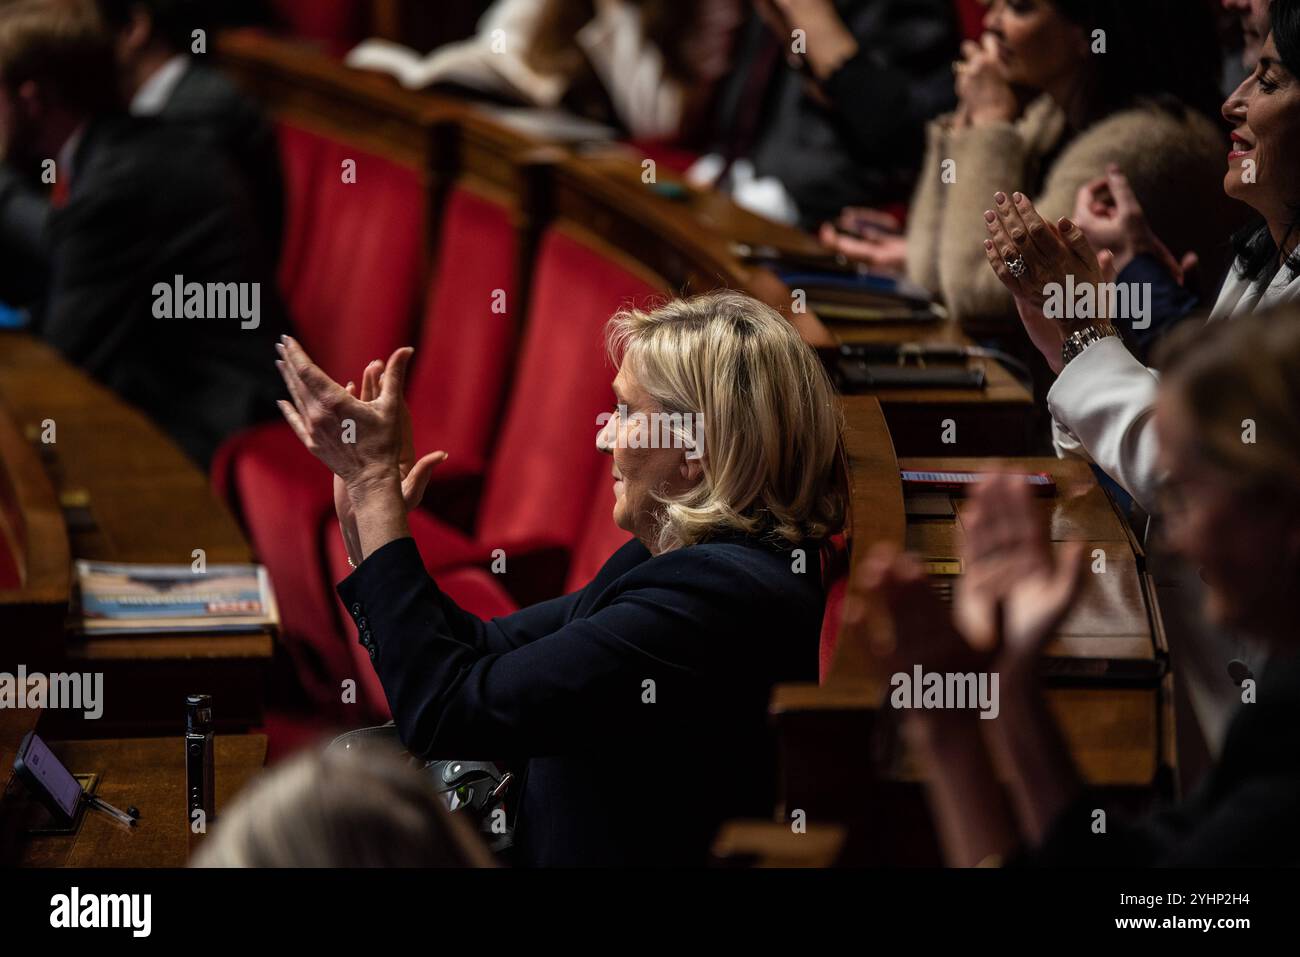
<point>102,805</point>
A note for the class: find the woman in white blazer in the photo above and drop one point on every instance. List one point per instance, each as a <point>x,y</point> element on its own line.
<point>1103,400</point>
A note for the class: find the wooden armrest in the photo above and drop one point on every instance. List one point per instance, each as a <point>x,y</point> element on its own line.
<point>769,844</point>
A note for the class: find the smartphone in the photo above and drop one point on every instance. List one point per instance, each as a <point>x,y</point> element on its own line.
<point>48,779</point>
<point>956,483</point>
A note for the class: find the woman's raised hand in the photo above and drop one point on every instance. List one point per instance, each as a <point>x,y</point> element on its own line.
<point>1029,255</point>
<point>984,93</point>
<point>415,475</point>
<point>355,439</point>
<point>360,438</point>
<point>1015,588</point>
<point>891,604</point>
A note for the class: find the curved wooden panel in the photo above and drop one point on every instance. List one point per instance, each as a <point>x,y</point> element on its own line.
<point>34,539</point>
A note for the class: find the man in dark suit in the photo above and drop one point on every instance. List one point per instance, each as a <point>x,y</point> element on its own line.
<point>163,74</point>
<point>152,43</point>
<point>155,284</point>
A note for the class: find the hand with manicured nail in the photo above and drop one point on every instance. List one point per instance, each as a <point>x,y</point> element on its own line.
<point>984,93</point>
<point>1015,588</point>
<point>363,439</point>
<point>1051,254</point>
<point>415,474</point>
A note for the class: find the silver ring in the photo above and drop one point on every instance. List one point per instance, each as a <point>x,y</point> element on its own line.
<point>1016,266</point>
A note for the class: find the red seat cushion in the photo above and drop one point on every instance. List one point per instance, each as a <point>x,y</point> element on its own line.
<point>600,539</point>
<point>458,376</point>
<point>970,16</point>
<point>335,25</point>
<point>546,467</point>
<point>352,264</point>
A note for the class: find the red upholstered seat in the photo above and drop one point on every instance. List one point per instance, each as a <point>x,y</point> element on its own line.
<point>335,25</point>
<point>831,627</point>
<point>600,539</point>
<point>546,468</point>
<point>835,569</point>
<point>351,274</point>
<point>353,265</point>
<point>970,16</point>
<point>301,156</point>
<point>458,378</point>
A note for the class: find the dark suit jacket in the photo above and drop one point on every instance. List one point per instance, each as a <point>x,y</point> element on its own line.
<point>209,106</point>
<point>1245,814</point>
<point>562,691</point>
<point>866,147</point>
<point>149,203</point>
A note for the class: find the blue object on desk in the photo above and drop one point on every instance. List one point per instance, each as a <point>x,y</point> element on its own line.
<point>11,318</point>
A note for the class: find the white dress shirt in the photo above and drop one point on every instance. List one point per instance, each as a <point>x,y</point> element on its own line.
<point>156,91</point>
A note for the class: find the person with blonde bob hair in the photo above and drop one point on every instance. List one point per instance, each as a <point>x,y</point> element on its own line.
<point>638,702</point>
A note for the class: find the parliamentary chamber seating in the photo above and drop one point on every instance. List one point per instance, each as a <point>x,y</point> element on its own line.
<point>424,246</point>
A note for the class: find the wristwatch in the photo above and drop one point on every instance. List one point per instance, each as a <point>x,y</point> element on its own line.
<point>1076,343</point>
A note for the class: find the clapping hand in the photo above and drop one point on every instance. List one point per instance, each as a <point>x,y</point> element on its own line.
<point>984,94</point>
<point>1015,589</point>
<point>892,604</point>
<point>1029,254</point>
<point>365,439</point>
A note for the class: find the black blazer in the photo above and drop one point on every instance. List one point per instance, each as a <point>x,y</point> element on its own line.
<point>636,707</point>
<point>1245,813</point>
<point>207,105</point>
<point>148,203</point>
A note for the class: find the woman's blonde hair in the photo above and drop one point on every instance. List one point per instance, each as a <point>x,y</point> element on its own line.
<point>1240,382</point>
<point>774,462</point>
<point>342,808</point>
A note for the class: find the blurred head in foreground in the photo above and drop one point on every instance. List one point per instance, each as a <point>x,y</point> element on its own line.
<point>1229,425</point>
<point>342,808</point>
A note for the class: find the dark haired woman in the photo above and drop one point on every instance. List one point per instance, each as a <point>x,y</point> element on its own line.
<point>1057,90</point>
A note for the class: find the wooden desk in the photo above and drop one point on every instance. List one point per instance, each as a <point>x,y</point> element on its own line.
<point>842,761</point>
<point>147,503</point>
<point>145,773</point>
<point>1109,633</point>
